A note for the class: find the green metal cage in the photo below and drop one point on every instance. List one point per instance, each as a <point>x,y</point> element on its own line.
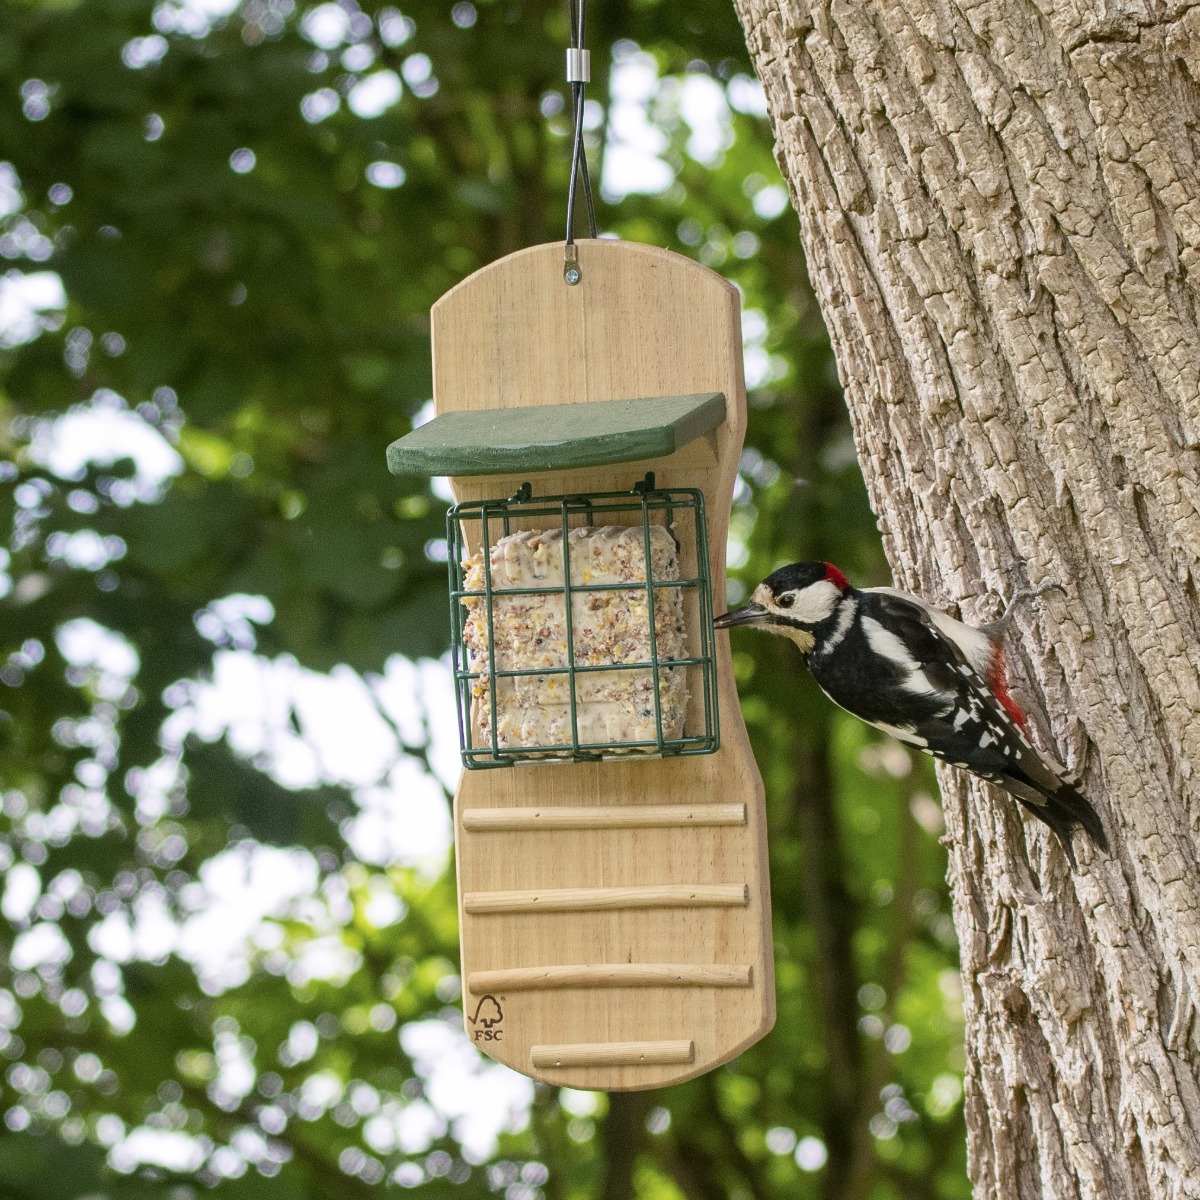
<point>481,524</point>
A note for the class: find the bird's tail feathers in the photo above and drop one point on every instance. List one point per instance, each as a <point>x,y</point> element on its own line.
<point>1063,808</point>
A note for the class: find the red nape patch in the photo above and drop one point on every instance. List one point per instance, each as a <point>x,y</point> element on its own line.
<point>835,577</point>
<point>998,682</point>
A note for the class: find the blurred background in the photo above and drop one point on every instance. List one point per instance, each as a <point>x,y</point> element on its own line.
<point>226,727</point>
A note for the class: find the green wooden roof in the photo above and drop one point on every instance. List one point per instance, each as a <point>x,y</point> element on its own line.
<point>553,436</point>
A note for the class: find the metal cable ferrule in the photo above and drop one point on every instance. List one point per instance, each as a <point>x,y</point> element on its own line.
<point>579,65</point>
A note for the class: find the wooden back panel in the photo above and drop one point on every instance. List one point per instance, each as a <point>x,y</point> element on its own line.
<point>615,916</point>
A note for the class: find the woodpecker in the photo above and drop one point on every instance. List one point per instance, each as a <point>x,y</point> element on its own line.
<point>930,681</point>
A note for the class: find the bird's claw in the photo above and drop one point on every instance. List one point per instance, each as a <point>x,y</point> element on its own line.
<point>1028,594</point>
<point>1019,598</point>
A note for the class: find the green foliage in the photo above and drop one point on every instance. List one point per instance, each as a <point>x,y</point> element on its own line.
<point>236,283</point>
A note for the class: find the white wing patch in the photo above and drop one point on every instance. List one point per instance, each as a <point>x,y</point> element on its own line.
<point>887,645</point>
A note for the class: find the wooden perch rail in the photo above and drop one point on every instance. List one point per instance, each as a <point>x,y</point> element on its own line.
<point>605,816</point>
<point>614,1054</point>
<point>669,895</point>
<point>617,975</point>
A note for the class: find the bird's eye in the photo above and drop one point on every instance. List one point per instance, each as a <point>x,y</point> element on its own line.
<point>786,600</point>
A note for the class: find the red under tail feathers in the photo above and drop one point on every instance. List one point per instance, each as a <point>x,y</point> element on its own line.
<point>998,682</point>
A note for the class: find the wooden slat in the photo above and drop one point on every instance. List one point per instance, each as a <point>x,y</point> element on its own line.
<point>531,979</point>
<point>604,816</point>
<point>614,1054</point>
<point>670,895</point>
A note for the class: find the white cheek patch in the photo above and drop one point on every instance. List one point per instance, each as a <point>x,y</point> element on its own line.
<point>815,602</point>
<point>805,640</point>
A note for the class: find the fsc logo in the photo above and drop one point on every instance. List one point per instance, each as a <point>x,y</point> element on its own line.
<point>487,1021</point>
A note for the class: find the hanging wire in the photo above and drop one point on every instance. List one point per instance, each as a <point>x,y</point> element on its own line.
<point>578,73</point>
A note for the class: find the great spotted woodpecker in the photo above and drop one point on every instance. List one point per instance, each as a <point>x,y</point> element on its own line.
<point>928,680</point>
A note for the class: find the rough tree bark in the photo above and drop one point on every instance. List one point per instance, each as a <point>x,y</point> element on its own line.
<point>1000,206</point>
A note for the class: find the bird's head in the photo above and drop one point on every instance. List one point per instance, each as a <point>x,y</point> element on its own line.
<point>793,602</point>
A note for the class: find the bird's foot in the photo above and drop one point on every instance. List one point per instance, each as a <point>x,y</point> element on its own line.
<point>1025,594</point>
<point>1018,598</point>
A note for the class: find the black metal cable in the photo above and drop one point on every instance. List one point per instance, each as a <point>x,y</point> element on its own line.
<point>579,165</point>
<point>587,182</point>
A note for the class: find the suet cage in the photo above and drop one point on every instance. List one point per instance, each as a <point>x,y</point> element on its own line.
<point>595,639</point>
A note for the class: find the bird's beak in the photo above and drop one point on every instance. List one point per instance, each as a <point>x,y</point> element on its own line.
<point>748,614</point>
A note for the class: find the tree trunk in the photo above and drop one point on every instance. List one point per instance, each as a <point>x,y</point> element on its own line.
<point>1001,211</point>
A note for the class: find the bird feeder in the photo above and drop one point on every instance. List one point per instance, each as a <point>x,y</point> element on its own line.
<point>612,873</point>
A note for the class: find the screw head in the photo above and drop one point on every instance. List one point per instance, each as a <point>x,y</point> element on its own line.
<point>572,274</point>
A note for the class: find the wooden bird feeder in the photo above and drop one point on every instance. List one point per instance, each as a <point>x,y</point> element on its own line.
<point>612,882</point>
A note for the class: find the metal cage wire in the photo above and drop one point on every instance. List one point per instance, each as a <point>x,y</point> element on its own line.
<point>575,511</point>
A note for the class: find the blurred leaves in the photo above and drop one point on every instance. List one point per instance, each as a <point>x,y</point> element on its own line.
<point>229,966</point>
